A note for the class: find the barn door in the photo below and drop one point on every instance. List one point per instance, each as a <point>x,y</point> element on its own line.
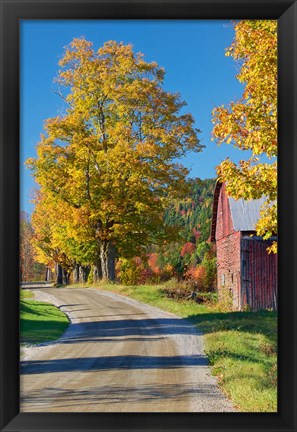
<point>247,297</point>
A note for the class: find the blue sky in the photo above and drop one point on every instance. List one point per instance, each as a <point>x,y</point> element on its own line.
<point>192,53</point>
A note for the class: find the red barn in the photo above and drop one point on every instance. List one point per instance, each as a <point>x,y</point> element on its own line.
<point>244,268</point>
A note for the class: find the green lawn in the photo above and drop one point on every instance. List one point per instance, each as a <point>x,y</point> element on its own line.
<point>40,322</point>
<point>241,346</point>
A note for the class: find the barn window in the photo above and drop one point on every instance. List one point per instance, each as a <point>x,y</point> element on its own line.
<point>232,279</point>
<point>223,280</point>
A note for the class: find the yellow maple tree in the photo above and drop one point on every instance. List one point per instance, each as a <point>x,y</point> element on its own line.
<point>111,157</point>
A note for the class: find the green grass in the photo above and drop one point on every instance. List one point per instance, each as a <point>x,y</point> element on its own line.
<point>24,294</point>
<point>241,346</point>
<point>40,322</point>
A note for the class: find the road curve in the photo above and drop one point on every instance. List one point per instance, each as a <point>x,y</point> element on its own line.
<point>117,355</point>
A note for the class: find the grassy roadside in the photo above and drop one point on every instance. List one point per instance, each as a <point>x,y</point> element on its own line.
<point>241,346</point>
<point>40,322</point>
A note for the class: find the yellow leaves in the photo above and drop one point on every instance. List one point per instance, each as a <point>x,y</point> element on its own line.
<point>102,163</point>
<point>251,122</point>
<point>78,50</point>
<point>272,248</point>
<point>267,224</point>
<point>255,46</point>
<point>30,162</point>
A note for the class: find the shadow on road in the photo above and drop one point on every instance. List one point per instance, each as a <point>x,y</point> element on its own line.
<point>98,330</point>
<point>117,394</point>
<point>109,363</point>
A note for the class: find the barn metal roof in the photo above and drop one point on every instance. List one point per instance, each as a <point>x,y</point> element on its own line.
<point>245,214</point>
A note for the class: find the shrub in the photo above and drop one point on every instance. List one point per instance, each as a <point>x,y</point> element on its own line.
<point>210,266</point>
<point>91,277</point>
<point>128,271</point>
<point>225,303</point>
<point>196,277</point>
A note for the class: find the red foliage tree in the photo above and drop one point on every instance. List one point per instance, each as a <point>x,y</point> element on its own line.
<point>188,248</point>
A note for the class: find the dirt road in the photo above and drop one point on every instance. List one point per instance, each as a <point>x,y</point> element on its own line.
<point>118,355</point>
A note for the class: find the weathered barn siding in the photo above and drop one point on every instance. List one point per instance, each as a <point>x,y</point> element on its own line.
<point>245,271</point>
<point>258,274</point>
<point>228,268</point>
<point>228,252</point>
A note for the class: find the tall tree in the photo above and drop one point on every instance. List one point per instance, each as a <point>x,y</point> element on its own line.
<point>30,269</point>
<point>55,237</point>
<point>26,250</point>
<point>251,122</point>
<point>47,249</point>
<point>111,156</point>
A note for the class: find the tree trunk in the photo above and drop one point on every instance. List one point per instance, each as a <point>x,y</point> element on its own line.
<point>84,273</point>
<point>59,274</point>
<point>97,271</point>
<point>76,274</point>
<point>107,258</point>
<point>48,275</point>
<point>66,277</point>
<point>80,278</point>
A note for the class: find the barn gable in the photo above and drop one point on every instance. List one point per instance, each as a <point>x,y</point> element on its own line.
<point>222,224</point>
<point>244,214</point>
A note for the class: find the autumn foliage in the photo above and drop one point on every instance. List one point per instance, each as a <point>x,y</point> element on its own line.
<point>188,248</point>
<point>107,166</point>
<point>30,267</point>
<point>26,249</point>
<point>251,122</point>
<point>113,202</point>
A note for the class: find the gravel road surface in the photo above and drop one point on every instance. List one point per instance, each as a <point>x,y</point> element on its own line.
<point>117,355</point>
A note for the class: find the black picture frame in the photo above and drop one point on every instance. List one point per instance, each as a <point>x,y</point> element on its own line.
<point>11,12</point>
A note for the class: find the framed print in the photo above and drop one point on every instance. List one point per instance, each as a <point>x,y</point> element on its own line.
<point>111,177</point>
